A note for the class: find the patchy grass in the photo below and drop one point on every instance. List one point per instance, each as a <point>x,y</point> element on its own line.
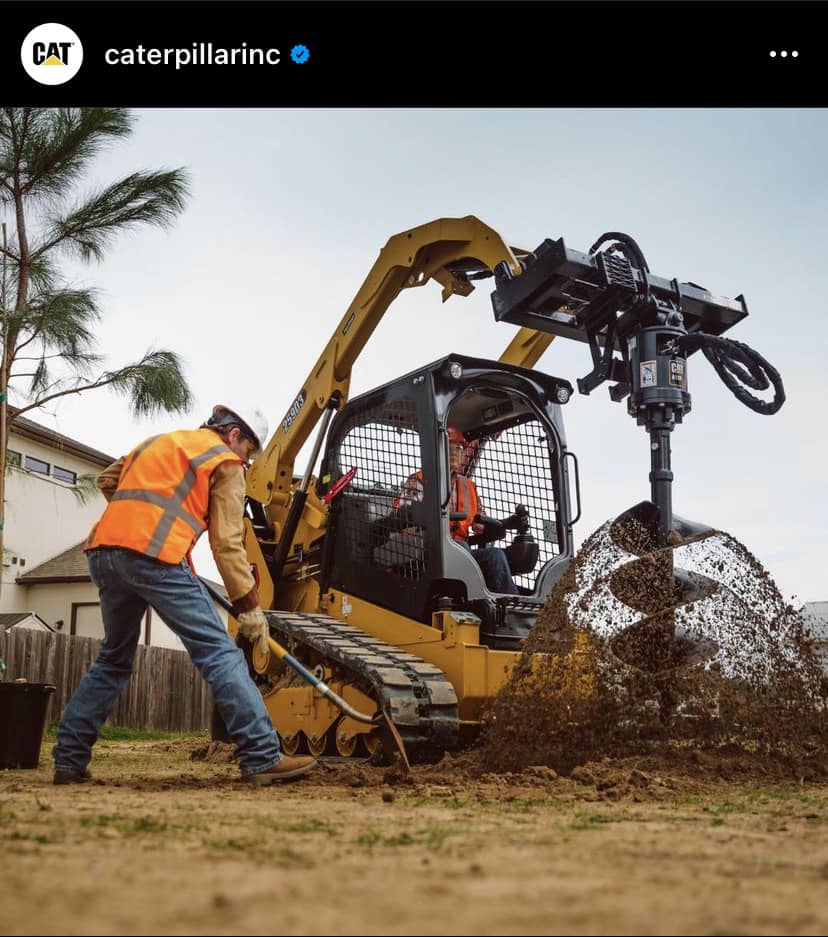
<point>723,810</point>
<point>229,843</point>
<point>743,797</point>
<point>307,825</point>
<point>189,845</point>
<point>126,826</point>
<point>591,821</point>
<point>6,816</point>
<point>371,838</point>
<point>433,836</point>
<point>258,850</point>
<point>401,839</point>
<point>56,836</point>
<point>312,825</point>
<point>510,804</point>
<point>125,734</point>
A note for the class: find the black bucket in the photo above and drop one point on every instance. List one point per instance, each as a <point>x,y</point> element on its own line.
<point>22,721</point>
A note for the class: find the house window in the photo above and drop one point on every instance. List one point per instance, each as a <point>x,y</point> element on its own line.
<point>36,465</point>
<point>65,475</point>
<point>13,458</point>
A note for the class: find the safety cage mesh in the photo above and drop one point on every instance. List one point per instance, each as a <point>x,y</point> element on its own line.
<point>514,467</point>
<point>383,444</point>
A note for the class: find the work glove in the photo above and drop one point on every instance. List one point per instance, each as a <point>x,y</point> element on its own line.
<point>253,626</point>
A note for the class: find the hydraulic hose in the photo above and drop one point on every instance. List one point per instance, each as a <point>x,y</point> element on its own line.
<point>739,366</point>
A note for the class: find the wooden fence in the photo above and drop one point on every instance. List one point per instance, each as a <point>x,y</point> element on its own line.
<point>166,693</point>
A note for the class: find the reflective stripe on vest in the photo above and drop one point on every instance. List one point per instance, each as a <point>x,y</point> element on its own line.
<point>155,533</point>
<point>466,501</point>
<point>173,506</point>
<point>130,460</point>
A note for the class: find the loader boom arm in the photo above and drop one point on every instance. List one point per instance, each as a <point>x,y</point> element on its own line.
<point>445,250</point>
<point>526,348</point>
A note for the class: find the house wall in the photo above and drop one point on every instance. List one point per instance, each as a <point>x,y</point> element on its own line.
<point>43,515</point>
<point>55,601</point>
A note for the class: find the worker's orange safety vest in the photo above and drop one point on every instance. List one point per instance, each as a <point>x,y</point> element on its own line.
<point>160,505</point>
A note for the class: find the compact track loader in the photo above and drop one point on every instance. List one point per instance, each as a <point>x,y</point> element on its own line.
<point>369,589</point>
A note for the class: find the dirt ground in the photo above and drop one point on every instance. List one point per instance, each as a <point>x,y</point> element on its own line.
<point>168,841</point>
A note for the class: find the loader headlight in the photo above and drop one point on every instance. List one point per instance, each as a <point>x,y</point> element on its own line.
<point>456,370</point>
<point>562,394</point>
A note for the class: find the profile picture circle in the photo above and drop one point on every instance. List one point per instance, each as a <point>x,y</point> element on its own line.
<point>51,54</point>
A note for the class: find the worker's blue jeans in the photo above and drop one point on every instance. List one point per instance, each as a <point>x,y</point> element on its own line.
<point>127,583</point>
<point>494,565</point>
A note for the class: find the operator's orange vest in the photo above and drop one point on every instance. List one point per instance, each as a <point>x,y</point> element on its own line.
<point>467,501</point>
<point>160,505</point>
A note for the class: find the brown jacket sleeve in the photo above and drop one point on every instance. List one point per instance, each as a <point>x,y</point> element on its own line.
<point>108,479</point>
<point>225,528</point>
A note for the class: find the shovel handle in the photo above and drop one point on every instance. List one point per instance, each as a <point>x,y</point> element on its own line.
<point>319,685</point>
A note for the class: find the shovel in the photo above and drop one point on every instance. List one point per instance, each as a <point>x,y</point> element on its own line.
<point>381,718</point>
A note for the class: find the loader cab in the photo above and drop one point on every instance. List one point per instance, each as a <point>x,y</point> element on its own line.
<point>390,530</point>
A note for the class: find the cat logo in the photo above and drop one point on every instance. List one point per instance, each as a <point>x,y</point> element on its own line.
<point>51,54</point>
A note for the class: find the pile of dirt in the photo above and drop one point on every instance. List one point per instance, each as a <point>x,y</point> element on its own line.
<point>654,651</point>
<point>664,772</point>
<point>214,752</point>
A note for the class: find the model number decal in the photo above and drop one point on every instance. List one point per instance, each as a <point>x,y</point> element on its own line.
<point>293,412</point>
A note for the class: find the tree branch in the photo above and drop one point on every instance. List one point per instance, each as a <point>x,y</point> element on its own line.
<point>35,332</point>
<point>101,382</point>
<point>153,198</point>
<point>38,357</point>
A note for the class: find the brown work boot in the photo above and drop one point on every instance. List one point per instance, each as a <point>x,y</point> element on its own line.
<point>286,768</point>
<point>72,777</point>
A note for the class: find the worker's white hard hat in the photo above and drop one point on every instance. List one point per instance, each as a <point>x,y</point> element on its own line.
<point>250,420</point>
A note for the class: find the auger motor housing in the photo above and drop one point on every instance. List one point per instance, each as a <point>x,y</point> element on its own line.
<point>658,400</point>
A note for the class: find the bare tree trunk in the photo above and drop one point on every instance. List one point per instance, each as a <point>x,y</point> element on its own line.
<point>4,406</point>
<point>9,341</point>
<point>4,445</point>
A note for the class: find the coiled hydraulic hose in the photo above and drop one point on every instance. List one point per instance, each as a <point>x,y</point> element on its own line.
<point>739,366</point>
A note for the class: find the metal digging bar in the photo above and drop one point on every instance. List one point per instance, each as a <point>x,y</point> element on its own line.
<point>381,718</point>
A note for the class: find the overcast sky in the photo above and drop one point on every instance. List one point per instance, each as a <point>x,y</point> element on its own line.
<point>289,211</point>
